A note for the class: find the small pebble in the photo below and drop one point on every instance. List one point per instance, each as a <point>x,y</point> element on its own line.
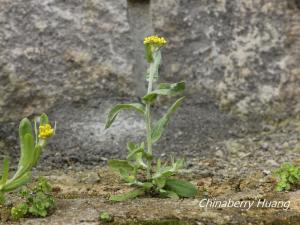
<point>219,153</point>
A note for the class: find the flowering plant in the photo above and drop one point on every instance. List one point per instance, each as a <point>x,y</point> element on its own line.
<point>31,149</point>
<point>140,156</point>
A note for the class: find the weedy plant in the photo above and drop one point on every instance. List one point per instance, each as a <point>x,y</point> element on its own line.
<point>31,148</point>
<point>105,217</point>
<point>38,201</point>
<point>138,169</point>
<point>288,177</point>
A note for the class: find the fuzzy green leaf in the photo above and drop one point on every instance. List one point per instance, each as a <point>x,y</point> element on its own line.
<point>125,169</point>
<point>162,123</point>
<point>171,194</point>
<point>24,128</point>
<point>167,171</point>
<point>178,164</point>
<point>126,196</point>
<point>118,108</point>
<point>181,188</point>
<point>135,153</point>
<point>44,119</point>
<point>148,53</point>
<point>27,155</point>
<point>26,145</point>
<point>37,153</point>
<point>152,72</point>
<point>5,171</point>
<point>131,147</point>
<point>2,198</point>
<point>147,185</point>
<point>164,89</point>
<point>160,182</point>
<point>168,194</point>
<point>16,183</point>
<point>120,164</point>
<point>164,172</point>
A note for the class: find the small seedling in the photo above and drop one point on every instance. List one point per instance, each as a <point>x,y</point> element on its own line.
<point>138,169</point>
<point>288,177</point>
<point>38,201</point>
<point>105,217</point>
<point>31,149</point>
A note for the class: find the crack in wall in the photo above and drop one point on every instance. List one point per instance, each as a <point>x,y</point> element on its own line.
<point>140,21</point>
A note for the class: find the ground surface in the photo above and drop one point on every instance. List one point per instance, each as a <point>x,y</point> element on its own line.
<point>236,168</point>
<point>83,194</point>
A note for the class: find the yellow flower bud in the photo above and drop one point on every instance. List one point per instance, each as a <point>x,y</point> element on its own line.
<point>155,41</point>
<point>45,131</point>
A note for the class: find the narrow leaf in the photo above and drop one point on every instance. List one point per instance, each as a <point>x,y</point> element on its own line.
<point>162,123</point>
<point>164,89</point>
<point>181,188</point>
<point>118,108</point>
<point>126,196</point>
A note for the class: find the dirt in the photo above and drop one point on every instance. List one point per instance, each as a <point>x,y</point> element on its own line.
<point>82,195</point>
<point>237,168</point>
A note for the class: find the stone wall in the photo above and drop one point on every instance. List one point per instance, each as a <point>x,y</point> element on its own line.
<point>75,58</point>
<point>242,52</point>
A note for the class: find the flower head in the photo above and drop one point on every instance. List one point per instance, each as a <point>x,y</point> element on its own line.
<point>45,131</point>
<point>155,41</point>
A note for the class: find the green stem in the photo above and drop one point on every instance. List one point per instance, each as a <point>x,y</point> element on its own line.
<point>148,128</point>
<point>149,144</point>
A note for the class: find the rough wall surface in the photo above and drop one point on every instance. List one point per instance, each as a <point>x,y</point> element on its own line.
<point>75,58</point>
<point>242,52</point>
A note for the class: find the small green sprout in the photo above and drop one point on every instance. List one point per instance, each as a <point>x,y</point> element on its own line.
<point>288,177</point>
<point>38,201</point>
<point>105,217</point>
<point>140,160</point>
<point>31,149</point>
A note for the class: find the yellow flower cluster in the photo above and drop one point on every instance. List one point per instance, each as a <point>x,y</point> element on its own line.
<point>155,40</point>
<point>45,131</point>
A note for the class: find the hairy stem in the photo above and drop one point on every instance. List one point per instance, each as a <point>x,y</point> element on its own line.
<point>148,128</point>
